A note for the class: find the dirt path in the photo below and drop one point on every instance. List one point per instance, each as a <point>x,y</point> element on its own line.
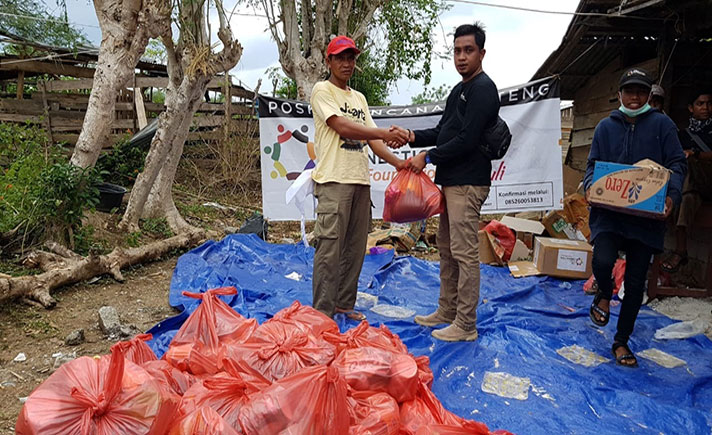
<point>38,333</point>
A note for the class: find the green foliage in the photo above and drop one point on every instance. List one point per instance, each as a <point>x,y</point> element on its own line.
<point>159,97</point>
<point>41,193</point>
<point>122,165</point>
<point>85,242</point>
<point>133,239</point>
<point>66,191</point>
<point>431,95</point>
<point>401,38</point>
<point>156,227</point>
<point>284,87</point>
<point>155,51</point>
<point>55,31</point>
<point>399,44</point>
<point>371,80</point>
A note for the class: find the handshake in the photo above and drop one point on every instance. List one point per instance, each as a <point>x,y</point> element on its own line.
<point>395,137</point>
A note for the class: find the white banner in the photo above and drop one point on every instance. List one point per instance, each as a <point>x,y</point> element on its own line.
<point>528,178</point>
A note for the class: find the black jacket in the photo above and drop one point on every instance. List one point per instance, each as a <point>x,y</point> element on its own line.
<point>471,107</point>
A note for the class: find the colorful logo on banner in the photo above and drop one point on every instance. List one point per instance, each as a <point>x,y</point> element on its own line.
<point>274,151</point>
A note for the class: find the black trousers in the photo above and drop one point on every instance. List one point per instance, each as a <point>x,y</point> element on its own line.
<point>637,255</point>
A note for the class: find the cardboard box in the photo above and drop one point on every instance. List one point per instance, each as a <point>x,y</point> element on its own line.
<point>558,227</point>
<point>638,189</point>
<point>490,252</point>
<point>557,257</point>
<point>525,229</point>
<point>401,238</point>
<point>576,212</point>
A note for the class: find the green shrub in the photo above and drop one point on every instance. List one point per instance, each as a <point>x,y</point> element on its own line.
<point>122,165</point>
<point>41,193</point>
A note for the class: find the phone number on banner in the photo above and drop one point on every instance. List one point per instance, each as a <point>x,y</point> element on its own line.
<point>534,196</point>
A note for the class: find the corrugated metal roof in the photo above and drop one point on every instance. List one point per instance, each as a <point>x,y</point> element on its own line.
<point>591,42</point>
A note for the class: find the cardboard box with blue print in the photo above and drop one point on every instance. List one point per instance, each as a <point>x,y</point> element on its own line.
<point>556,257</point>
<point>638,189</point>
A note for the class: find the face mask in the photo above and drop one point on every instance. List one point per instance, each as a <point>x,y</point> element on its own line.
<point>633,113</point>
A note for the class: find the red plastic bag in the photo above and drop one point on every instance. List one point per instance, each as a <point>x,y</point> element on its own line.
<point>203,421</point>
<point>136,350</point>
<point>618,277</point>
<point>226,393</point>
<point>306,319</point>
<point>467,428</point>
<point>172,378</point>
<point>109,395</point>
<point>277,350</point>
<point>425,374</point>
<point>426,410</point>
<point>373,413</point>
<point>412,197</point>
<point>504,237</point>
<point>373,369</point>
<point>313,401</point>
<point>365,335</point>
<point>213,324</point>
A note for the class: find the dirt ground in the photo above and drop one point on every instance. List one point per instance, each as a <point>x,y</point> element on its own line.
<point>39,333</point>
<point>142,301</point>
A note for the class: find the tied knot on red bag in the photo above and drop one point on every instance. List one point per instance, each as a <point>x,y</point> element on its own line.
<point>288,345</point>
<point>332,375</point>
<point>98,405</point>
<point>222,291</point>
<point>235,385</point>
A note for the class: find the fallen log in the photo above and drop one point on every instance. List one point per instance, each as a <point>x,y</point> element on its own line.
<point>75,268</point>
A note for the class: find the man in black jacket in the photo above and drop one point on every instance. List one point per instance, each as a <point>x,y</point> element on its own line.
<point>464,173</point>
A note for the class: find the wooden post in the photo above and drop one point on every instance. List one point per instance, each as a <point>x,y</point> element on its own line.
<point>20,84</point>
<point>140,108</point>
<point>227,93</point>
<point>135,112</point>
<point>47,120</point>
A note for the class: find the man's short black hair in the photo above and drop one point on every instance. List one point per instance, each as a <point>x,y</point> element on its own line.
<point>477,30</point>
<point>696,94</point>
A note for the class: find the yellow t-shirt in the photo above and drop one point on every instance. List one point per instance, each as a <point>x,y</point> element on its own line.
<point>337,159</point>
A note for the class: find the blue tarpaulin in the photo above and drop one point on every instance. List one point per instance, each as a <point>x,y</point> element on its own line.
<point>521,322</point>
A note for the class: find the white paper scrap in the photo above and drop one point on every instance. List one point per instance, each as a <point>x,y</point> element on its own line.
<point>578,355</point>
<point>393,311</point>
<point>294,276</point>
<point>662,358</point>
<point>506,385</point>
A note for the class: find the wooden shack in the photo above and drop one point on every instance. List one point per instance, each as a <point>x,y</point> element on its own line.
<point>53,90</point>
<point>670,38</point>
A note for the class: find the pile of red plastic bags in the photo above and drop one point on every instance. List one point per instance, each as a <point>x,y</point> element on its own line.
<point>225,374</point>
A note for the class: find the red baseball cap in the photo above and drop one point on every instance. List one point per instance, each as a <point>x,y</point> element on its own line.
<point>341,43</point>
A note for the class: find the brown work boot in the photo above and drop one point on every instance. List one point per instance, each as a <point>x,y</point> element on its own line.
<point>432,319</point>
<point>454,333</point>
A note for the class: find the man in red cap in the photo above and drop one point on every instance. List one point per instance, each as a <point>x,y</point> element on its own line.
<point>344,129</point>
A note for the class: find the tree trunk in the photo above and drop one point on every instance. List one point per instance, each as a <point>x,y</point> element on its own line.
<point>110,76</point>
<point>151,195</point>
<point>126,27</point>
<point>75,269</point>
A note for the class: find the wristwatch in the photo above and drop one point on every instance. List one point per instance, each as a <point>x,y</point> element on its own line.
<point>427,158</point>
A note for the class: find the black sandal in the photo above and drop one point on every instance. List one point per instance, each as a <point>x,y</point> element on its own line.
<point>681,260</point>
<point>595,309</point>
<point>628,356</point>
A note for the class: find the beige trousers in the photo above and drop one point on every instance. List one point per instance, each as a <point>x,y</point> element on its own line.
<point>459,254</point>
<point>341,230</point>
